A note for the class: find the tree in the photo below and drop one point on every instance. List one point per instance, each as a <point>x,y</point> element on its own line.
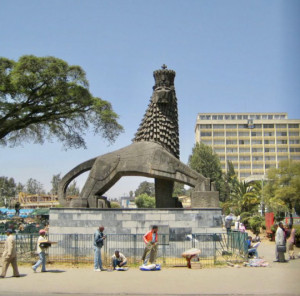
<point>145,187</point>
<point>206,162</point>
<point>145,201</point>
<point>245,197</point>
<point>281,191</point>
<point>7,190</point>
<point>42,98</point>
<point>73,189</point>
<point>178,189</point>
<point>55,182</point>
<point>34,187</point>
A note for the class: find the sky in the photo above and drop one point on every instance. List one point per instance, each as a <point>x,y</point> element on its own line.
<point>229,56</point>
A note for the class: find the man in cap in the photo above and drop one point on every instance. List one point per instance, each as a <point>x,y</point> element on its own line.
<point>41,252</point>
<point>9,255</point>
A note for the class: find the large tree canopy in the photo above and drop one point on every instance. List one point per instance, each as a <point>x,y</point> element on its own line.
<point>44,97</point>
<point>281,192</point>
<point>206,162</point>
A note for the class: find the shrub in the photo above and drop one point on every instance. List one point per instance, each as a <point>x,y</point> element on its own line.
<point>244,218</point>
<point>255,224</point>
<point>297,234</point>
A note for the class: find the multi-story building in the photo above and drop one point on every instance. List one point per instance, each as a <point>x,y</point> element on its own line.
<point>253,142</point>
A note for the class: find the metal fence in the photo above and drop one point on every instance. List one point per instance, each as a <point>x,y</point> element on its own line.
<point>78,248</point>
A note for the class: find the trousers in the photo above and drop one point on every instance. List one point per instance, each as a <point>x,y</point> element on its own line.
<point>152,249</point>
<point>5,264</point>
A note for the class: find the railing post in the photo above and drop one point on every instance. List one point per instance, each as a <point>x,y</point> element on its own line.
<point>134,248</point>
<point>76,248</point>
<point>164,248</point>
<point>31,243</point>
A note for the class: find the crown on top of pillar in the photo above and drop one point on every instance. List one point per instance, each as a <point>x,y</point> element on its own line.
<point>164,77</point>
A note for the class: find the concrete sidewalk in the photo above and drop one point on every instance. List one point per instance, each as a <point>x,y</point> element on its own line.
<point>277,279</point>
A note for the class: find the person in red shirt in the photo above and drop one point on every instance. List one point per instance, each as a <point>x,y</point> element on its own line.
<point>150,239</point>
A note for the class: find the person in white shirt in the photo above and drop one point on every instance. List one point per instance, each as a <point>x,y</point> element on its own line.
<point>118,259</point>
<point>41,252</point>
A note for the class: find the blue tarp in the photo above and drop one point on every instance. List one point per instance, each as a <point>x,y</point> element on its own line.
<point>24,213</point>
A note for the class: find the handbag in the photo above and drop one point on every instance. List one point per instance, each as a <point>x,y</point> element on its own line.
<point>281,248</point>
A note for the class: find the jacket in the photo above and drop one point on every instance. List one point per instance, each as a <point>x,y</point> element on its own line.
<point>280,237</point>
<point>98,239</point>
<point>9,248</point>
<point>148,237</point>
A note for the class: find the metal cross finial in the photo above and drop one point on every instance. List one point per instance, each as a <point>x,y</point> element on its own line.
<point>164,66</point>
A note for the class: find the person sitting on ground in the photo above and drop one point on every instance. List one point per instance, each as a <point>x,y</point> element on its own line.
<point>118,259</point>
<point>252,249</point>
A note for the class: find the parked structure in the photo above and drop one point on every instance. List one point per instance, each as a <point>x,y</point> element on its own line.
<point>254,142</point>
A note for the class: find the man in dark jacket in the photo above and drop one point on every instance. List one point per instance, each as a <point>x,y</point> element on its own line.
<point>99,238</point>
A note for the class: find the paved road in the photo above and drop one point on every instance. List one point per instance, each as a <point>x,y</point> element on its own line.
<point>277,279</point>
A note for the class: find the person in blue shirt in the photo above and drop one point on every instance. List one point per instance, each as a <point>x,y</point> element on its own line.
<point>99,238</point>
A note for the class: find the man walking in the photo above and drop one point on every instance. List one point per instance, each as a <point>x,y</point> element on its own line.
<point>99,238</point>
<point>9,255</point>
<point>41,252</point>
<point>150,239</point>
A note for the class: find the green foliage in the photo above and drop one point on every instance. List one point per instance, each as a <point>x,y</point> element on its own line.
<point>206,162</point>
<point>297,234</point>
<point>34,187</point>
<point>245,197</point>
<point>145,201</point>
<point>244,218</point>
<point>73,189</point>
<point>115,205</point>
<point>178,189</point>
<point>281,192</point>
<point>45,98</point>
<point>255,223</point>
<point>145,187</point>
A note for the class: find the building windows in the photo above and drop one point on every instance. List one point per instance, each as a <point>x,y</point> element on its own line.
<point>267,150</point>
<point>256,134</point>
<point>282,142</point>
<point>282,157</point>
<point>268,125</point>
<point>230,142</point>
<point>244,150</point>
<point>280,125</point>
<point>230,126</point>
<point>257,150</point>
<point>294,134</point>
<point>282,150</point>
<point>218,126</point>
<point>231,150</point>
<point>244,158</point>
<point>281,134</point>
<point>293,125</point>
<point>294,141</point>
<point>239,117</point>
<point>268,134</point>
<point>257,125</point>
<point>219,142</point>
<point>294,149</point>
<point>270,158</point>
<point>244,134</point>
<point>231,134</point>
<point>207,126</point>
<point>257,158</point>
<point>205,134</point>
<point>269,142</point>
<point>256,142</point>
<point>218,134</point>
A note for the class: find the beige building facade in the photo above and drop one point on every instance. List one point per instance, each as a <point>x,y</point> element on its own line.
<point>253,142</point>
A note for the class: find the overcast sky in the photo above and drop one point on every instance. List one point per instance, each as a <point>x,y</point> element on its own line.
<point>229,56</point>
